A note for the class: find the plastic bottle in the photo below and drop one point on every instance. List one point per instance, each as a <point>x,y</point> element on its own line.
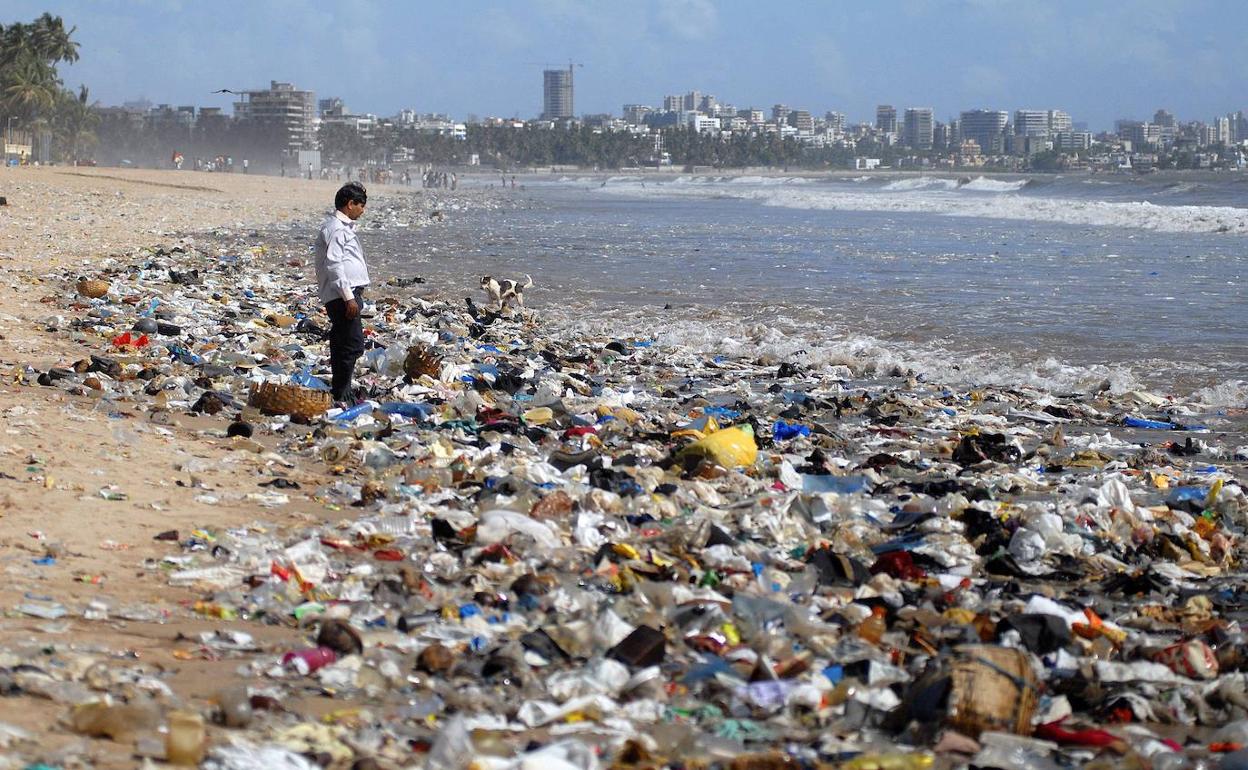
<point>309,660</point>
<point>305,378</point>
<point>184,745</point>
<point>415,411</point>
<point>430,478</point>
<point>235,706</point>
<point>872,629</point>
<point>346,415</point>
<point>116,720</point>
<point>335,451</point>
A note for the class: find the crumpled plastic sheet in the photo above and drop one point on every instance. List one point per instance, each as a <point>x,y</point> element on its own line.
<point>243,755</point>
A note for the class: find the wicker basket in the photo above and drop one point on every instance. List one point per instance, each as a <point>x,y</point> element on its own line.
<point>94,289</point>
<point>300,403</point>
<point>991,688</point>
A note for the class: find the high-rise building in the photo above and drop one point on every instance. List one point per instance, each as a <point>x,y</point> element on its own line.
<point>673,103</point>
<point>635,114</point>
<point>986,128</point>
<point>886,118</point>
<point>940,136</point>
<point>1068,141</point>
<point>1138,132</point>
<point>557,94</point>
<point>802,121</point>
<point>692,101</point>
<point>779,113</point>
<point>282,105</point>
<point>1223,130</point>
<point>1168,126</point>
<point>331,106</point>
<point>1031,123</point>
<point>1059,121</point>
<point>1238,123</point>
<point>836,122</point>
<point>753,116</point>
<point>919,128</point>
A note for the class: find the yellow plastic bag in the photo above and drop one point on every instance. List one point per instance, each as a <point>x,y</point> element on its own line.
<point>731,447</point>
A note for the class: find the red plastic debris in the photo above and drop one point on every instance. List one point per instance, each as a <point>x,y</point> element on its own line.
<point>898,564</point>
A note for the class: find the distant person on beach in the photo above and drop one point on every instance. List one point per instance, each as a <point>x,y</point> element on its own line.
<point>341,276</point>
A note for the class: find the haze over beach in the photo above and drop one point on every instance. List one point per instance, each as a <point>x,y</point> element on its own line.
<point>744,386</point>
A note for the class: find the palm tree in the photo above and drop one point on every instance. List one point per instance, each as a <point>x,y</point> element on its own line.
<point>51,40</point>
<point>27,90</point>
<point>74,124</point>
<point>29,86</point>
<point>15,44</point>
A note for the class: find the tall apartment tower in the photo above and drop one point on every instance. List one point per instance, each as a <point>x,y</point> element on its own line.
<point>1031,123</point>
<point>1059,122</point>
<point>986,128</point>
<point>802,120</point>
<point>557,94</point>
<point>282,105</point>
<point>836,122</point>
<point>886,118</point>
<point>919,128</point>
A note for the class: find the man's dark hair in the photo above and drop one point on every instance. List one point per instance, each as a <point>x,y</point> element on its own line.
<point>351,192</point>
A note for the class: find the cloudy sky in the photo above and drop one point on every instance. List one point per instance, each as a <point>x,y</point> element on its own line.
<point>1097,59</point>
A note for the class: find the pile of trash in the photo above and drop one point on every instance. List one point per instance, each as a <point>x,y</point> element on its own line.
<point>556,550</point>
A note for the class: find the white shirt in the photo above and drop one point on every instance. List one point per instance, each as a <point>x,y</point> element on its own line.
<point>339,259</point>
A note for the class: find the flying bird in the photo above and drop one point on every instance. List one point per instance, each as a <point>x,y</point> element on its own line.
<point>227,91</point>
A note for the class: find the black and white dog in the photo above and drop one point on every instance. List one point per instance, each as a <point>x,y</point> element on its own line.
<point>506,292</point>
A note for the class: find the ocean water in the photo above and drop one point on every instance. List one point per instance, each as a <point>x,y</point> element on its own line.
<point>1066,282</point>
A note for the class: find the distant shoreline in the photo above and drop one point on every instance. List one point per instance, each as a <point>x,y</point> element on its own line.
<point>670,171</point>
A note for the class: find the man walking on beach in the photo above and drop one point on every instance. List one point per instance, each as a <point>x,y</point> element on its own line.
<point>341,276</point>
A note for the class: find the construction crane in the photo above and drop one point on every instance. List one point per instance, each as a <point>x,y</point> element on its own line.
<point>548,65</point>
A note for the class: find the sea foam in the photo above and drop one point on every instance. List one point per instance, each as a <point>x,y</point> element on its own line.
<point>942,196</point>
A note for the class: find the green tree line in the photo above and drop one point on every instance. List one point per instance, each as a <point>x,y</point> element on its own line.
<point>33,97</point>
<point>508,147</point>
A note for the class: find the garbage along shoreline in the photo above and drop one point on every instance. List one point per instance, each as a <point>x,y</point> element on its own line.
<point>540,545</point>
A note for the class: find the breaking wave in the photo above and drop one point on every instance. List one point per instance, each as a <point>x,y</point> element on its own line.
<point>941,196</point>
<point>984,184</point>
<point>921,183</point>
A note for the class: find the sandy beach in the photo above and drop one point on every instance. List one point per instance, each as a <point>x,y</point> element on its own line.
<point>59,451</point>
<point>550,531</point>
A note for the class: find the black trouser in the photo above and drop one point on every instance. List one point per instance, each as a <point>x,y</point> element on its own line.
<point>346,343</point>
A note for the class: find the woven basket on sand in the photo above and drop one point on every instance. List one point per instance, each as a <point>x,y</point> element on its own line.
<point>991,689</point>
<point>300,403</point>
<point>93,289</point>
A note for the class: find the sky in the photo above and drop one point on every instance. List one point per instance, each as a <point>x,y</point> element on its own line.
<point>1096,59</point>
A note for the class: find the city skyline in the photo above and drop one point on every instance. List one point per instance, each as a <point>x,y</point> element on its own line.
<point>487,58</point>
